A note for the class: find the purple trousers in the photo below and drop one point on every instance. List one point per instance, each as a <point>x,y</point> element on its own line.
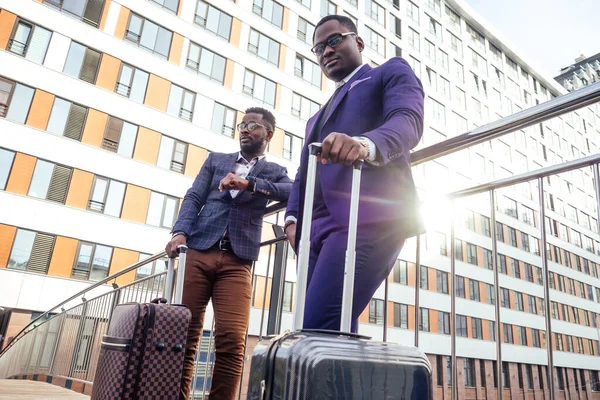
<point>377,248</point>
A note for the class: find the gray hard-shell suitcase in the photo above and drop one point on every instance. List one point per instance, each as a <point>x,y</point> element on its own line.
<point>322,365</point>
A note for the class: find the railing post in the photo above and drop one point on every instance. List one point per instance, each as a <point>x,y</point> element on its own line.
<point>544,253</point>
<point>78,336</point>
<point>453,305</point>
<point>57,341</point>
<point>277,287</point>
<point>262,313</point>
<point>417,287</point>
<point>386,288</point>
<point>498,331</point>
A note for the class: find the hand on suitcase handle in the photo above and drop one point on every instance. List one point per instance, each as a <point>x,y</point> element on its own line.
<point>316,148</point>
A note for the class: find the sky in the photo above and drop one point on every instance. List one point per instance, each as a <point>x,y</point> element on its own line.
<point>549,33</point>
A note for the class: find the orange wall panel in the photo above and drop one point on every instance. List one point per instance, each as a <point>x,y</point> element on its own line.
<point>411,317</point>
<point>176,49</point>
<point>63,257</point>
<point>157,94</point>
<point>282,53</point>
<point>236,28</point>
<point>121,259</point>
<point>278,98</point>
<point>108,72</point>
<point>80,189</point>
<point>434,321</point>
<point>122,22</point>
<point>135,205</point>
<point>95,125</point>
<point>482,292</point>
<point>41,106</point>
<point>411,274</point>
<point>229,66</point>
<point>147,145</point>
<point>104,15</point>
<point>276,143</point>
<point>195,158</point>
<point>7,22</point>
<point>21,173</point>
<point>286,19</point>
<point>485,329</point>
<point>7,235</point>
<point>431,277</point>
<point>364,317</point>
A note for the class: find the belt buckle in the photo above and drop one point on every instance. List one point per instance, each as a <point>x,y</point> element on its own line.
<point>223,245</point>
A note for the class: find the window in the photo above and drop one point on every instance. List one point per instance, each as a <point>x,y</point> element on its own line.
<point>469,372</point>
<point>490,294</point>
<point>82,63</point>
<point>442,282</point>
<point>412,12</point>
<point>132,83</point>
<point>435,28</point>
<point>15,100</point>
<point>477,38</point>
<point>485,226</point>
<point>396,28</point>
<point>259,88</point>
<point>435,5</point>
<point>449,371</point>
<point>292,147</point>
<point>492,327</point>
<point>456,44</point>
<point>206,62</point>
<point>88,11</point>
<point>415,65</point>
<point>595,380</point>
<point>213,20</point>
<point>181,103</point>
<point>400,315</point>
<point>424,284</point>
<point>92,262</point>
<point>519,301</point>
<point>444,322</point>
<point>162,210</point>
<point>149,35</point>
<point>305,32</point>
<point>223,120</point>
<point>522,332</point>
<point>474,290</point>
<point>460,286</point>
<point>439,370</point>
<point>30,41</point>
<point>327,8</point>
<point>560,379</point>
<point>6,161</point>
<point>429,50</point>
<point>438,112</point>
<point>288,294</point>
<point>400,272</point>
<point>308,71</point>
<point>31,251</point>
<point>120,137</point>
<point>505,300</point>
<point>50,181</point>
<point>442,243</point>
<point>414,39</point>
<point>424,319</point>
<point>471,254</point>
<point>461,326</point>
<point>107,196</point>
<point>66,119</point>
<point>476,328</point>
<point>303,107</point>
<point>269,10</point>
<point>508,333</point>
<point>172,154</point>
<point>512,236</point>
<point>373,10</point>
<point>264,47</point>
<point>150,269</point>
<point>374,41</point>
<point>376,312</point>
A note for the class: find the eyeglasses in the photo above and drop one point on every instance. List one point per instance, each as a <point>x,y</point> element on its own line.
<point>332,41</point>
<point>251,126</point>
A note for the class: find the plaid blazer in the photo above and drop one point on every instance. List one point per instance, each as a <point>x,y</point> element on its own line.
<point>206,212</point>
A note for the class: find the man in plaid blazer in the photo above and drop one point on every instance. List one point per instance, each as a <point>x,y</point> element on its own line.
<point>221,222</point>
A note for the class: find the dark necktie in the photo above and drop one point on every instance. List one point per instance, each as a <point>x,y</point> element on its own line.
<point>325,113</point>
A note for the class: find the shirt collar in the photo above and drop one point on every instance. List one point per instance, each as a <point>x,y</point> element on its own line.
<point>241,157</point>
<point>346,79</point>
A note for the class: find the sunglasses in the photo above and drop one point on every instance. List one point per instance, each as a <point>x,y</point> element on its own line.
<point>251,126</point>
<point>332,41</point>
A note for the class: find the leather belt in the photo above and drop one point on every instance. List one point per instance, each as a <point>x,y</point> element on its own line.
<point>224,244</point>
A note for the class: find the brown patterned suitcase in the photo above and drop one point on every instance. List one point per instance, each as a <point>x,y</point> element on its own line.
<point>143,350</point>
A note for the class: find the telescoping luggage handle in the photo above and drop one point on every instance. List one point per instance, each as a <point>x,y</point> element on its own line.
<point>304,245</point>
<point>182,252</point>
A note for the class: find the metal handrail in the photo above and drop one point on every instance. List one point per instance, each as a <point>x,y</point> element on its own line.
<point>527,176</point>
<point>523,119</point>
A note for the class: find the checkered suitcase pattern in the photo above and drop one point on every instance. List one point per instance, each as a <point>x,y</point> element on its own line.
<point>142,353</point>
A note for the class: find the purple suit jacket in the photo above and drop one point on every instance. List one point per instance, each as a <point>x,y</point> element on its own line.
<point>384,104</point>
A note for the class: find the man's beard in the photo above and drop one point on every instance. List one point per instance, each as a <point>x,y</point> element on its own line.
<point>253,148</point>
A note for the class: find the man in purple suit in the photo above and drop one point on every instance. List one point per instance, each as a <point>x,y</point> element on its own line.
<point>375,114</point>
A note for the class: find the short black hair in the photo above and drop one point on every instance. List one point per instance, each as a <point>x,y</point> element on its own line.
<point>266,115</point>
<point>342,19</point>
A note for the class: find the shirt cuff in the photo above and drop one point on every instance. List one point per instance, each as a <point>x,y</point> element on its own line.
<point>372,151</point>
<point>291,218</point>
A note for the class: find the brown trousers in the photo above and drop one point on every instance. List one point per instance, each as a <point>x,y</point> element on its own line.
<point>227,279</point>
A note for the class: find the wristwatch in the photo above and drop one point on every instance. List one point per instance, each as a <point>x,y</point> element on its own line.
<point>364,144</point>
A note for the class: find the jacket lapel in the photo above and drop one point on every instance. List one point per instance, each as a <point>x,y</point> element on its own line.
<point>342,94</point>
